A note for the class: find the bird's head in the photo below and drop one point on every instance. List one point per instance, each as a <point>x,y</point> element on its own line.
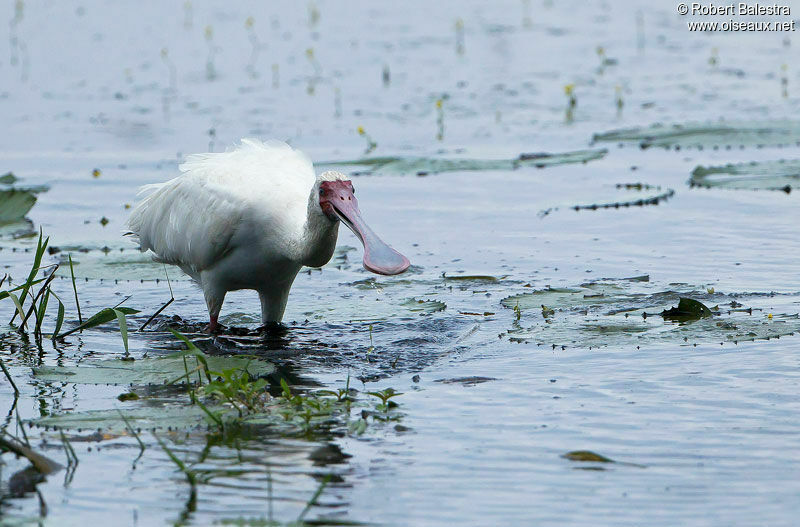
<point>338,202</point>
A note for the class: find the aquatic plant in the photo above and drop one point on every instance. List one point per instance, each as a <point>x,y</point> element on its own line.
<point>313,79</point>
<point>275,76</point>
<point>386,75</point>
<point>713,60</point>
<point>337,102</point>
<point>371,145</point>
<point>784,81</point>
<point>255,47</point>
<point>187,15</point>
<point>572,102</point>
<point>526,14</point>
<point>173,72</point>
<point>459,27</point>
<point>211,70</point>
<point>440,119</point>
<point>313,15</point>
<point>39,301</point>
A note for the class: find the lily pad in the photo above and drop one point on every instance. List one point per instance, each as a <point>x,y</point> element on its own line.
<point>145,371</point>
<point>633,195</point>
<point>363,309</point>
<point>764,175</point>
<point>421,166</point>
<point>621,313</point>
<point>15,204</point>
<point>725,135</point>
<point>114,264</point>
<point>424,306</point>
<point>587,455</point>
<point>561,298</point>
<point>155,416</point>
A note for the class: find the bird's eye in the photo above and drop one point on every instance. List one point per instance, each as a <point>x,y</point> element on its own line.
<point>322,192</point>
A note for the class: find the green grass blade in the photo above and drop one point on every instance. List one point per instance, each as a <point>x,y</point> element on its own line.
<point>123,327</point>
<point>59,318</point>
<point>197,352</point>
<point>75,290</point>
<point>42,310</point>
<point>4,294</point>
<point>14,298</point>
<point>37,261</point>
<point>313,499</point>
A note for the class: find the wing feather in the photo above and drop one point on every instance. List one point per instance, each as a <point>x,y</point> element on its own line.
<point>192,219</point>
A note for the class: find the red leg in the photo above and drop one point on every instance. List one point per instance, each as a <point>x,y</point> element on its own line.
<point>212,324</point>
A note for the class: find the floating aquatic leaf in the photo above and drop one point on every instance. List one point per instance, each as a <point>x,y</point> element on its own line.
<point>432,165</point>
<point>631,198</point>
<point>688,309</point>
<point>621,313</point>
<point>560,298</point>
<point>145,371</point>
<point>587,455</point>
<point>15,204</point>
<point>466,381</point>
<point>143,417</point>
<point>381,308</point>
<point>113,264</point>
<point>764,175</point>
<point>424,306</point>
<point>707,135</point>
<point>470,278</point>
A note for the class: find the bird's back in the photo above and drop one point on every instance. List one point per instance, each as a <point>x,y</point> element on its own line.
<point>194,219</point>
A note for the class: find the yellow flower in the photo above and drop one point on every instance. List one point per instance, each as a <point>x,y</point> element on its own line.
<point>361,130</point>
<point>439,103</point>
<point>568,89</point>
<point>249,22</point>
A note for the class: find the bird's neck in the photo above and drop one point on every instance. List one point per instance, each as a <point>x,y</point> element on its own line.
<point>319,237</point>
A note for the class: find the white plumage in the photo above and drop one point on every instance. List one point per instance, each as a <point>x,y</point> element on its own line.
<point>250,218</point>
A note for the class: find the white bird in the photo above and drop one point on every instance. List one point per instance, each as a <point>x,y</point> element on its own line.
<point>251,218</point>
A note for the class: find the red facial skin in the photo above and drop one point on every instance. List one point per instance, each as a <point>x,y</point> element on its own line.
<point>338,203</point>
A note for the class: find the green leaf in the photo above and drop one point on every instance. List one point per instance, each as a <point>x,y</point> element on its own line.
<point>59,318</point>
<point>15,204</point>
<point>37,262</point>
<point>14,298</point>
<point>587,455</point>
<point>42,309</point>
<point>155,416</point>
<point>123,327</point>
<point>101,317</point>
<point>762,175</point>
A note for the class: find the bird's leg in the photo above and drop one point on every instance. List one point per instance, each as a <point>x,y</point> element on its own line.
<point>212,323</point>
<point>273,304</point>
